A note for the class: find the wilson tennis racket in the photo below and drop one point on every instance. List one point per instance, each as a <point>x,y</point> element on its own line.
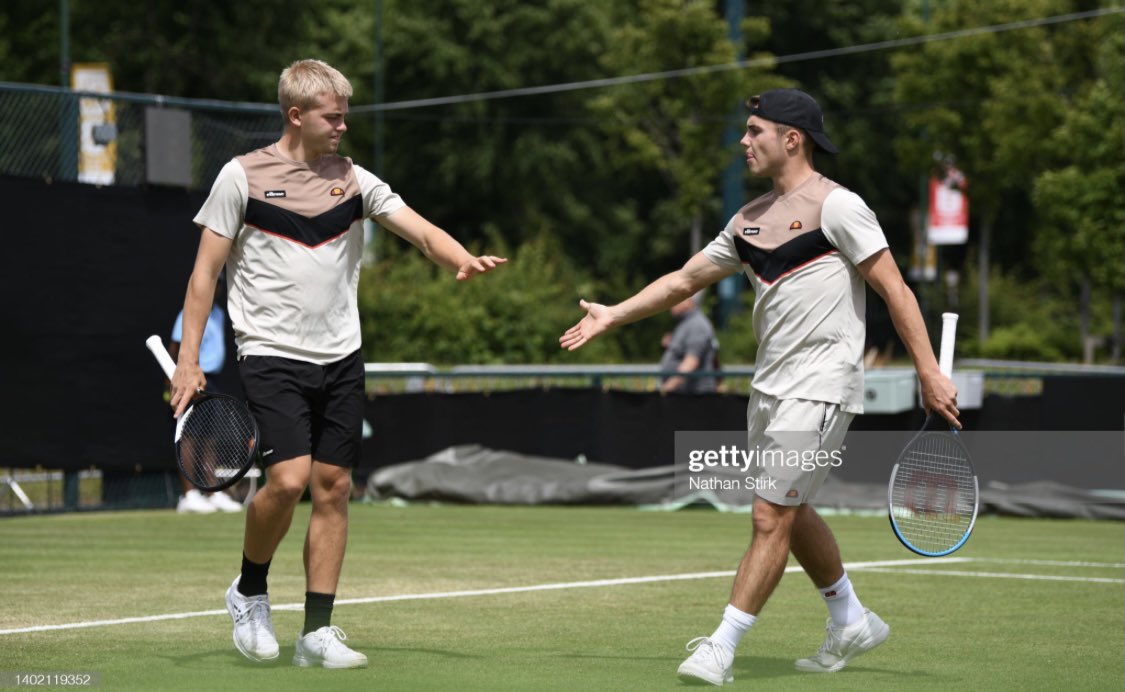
<point>216,437</point>
<point>933,497</point>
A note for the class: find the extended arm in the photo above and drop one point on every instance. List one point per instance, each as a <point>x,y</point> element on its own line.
<point>437,245</point>
<point>658,296</point>
<point>938,393</point>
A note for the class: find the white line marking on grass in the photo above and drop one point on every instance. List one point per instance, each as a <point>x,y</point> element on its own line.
<point>121,621</point>
<point>477,592</point>
<point>1053,563</point>
<point>607,582</point>
<point>994,575</point>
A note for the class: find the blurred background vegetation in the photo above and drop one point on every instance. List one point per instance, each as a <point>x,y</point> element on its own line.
<point>594,192</point>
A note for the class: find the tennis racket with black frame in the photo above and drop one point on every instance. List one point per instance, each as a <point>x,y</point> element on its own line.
<point>933,494</point>
<point>216,438</point>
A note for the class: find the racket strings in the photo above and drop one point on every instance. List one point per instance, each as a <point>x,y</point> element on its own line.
<point>933,499</point>
<point>216,441</point>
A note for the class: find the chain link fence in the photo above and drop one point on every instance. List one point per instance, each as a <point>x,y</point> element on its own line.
<point>126,139</point>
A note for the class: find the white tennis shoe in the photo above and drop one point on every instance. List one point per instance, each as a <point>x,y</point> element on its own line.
<point>253,629</point>
<point>325,647</point>
<point>194,502</point>
<point>223,502</point>
<point>709,662</point>
<point>845,643</point>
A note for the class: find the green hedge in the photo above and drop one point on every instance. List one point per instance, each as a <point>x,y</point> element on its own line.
<point>411,310</point>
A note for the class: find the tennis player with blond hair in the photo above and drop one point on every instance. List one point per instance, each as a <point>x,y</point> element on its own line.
<point>287,223</point>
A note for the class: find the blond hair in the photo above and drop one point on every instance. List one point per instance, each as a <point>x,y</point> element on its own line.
<point>305,81</point>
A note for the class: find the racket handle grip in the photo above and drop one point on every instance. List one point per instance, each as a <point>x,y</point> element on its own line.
<point>948,337</point>
<point>157,347</point>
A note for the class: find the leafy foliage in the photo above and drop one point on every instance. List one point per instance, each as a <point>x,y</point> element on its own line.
<point>1082,199</point>
<point>414,311</point>
<point>598,190</point>
<point>1026,114</point>
<point>1032,318</point>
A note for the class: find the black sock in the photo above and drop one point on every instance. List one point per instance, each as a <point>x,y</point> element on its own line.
<point>318,611</point>
<point>253,579</point>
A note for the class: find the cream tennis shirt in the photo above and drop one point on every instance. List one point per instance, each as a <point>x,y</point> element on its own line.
<point>800,252</point>
<point>293,271</point>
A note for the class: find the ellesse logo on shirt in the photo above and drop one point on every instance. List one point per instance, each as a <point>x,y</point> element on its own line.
<point>270,194</point>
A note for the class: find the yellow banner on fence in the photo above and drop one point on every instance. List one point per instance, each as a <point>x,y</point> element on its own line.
<point>97,124</point>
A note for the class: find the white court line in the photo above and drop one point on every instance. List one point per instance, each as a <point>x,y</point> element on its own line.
<point>463,594</point>
<point>995,575</point>
<point>618,582</point>
<point>1053,563</point>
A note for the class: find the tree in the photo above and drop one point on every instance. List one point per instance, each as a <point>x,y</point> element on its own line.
<point>191,48</point>
<point>673,127</point>
<point>987,100</point>
<point>523,166</point>
<point>1081,197</point>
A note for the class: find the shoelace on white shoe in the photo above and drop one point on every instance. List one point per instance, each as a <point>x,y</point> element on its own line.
<point>334,637</point>
<point>831,642</point>
<point>716,654</point>
<point>256,612</point>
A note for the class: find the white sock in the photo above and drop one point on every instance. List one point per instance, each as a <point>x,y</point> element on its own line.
<point>735,624</point>
<point>842,603</point>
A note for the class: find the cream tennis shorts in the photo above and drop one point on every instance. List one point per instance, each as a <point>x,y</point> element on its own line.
<point>796,444</point>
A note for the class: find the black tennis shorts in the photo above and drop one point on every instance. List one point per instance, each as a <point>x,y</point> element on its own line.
<point>303,408</point>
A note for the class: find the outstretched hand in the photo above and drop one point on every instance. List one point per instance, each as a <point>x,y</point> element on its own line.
<point>479,265</point>
<point>596,321</point>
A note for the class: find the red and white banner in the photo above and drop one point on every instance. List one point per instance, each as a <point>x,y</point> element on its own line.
<point>948,220</point>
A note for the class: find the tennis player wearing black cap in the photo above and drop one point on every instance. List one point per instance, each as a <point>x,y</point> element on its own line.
<point>807,247</point>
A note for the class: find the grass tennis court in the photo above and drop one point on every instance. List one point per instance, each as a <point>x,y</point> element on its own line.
<point>1038,606</point>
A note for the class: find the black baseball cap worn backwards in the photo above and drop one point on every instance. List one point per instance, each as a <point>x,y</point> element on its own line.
<point>795,108</point>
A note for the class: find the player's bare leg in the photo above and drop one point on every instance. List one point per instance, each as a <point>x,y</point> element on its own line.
<point>271,511</point>
<point>320,643</point>
<point>764,562</point>
<point>267,521</point>
<point>815,548</point>
<point>327,538</point>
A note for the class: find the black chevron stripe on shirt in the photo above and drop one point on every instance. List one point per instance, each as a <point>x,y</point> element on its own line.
<point>771,265</point>
<point>309,231</point>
